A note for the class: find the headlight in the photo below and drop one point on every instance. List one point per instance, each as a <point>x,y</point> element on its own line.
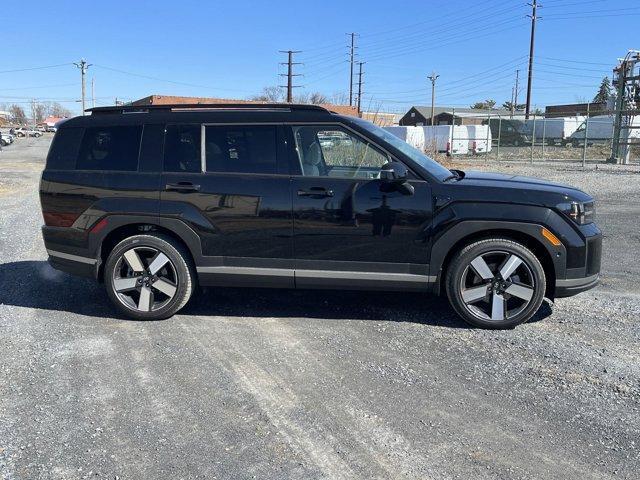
<point>579,212</point>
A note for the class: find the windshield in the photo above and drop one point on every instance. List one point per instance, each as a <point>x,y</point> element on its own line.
<point>430,165</point>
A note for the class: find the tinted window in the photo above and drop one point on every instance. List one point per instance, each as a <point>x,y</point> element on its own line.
<point>64,150</point>
<point>110,148</point>
<point>182,149</point>
<point>241,149</point>
<point>151,148</point>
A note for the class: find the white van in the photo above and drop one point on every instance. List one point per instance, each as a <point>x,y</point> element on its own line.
<point>600,131</point>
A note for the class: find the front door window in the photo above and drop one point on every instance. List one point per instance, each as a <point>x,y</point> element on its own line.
<point>336,152</point>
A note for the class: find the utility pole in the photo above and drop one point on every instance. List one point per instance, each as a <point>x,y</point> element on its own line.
<point>534,17</point>
<point>626,79</point>
<point>351,58</point>
<point>433,77</point>
<point>83,66</point>
<point>360,73</point>
<point>290,63</point>
<point>514,103</point>
<point>93,92</point>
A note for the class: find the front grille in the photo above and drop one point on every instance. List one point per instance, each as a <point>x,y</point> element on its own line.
<point>594,255</point>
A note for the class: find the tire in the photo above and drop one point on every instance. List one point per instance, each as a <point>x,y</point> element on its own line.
<point>3,143</point>
<point>138,291</point>
<point>484,298</point>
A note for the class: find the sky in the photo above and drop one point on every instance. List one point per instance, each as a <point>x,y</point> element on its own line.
<point>230,49</point>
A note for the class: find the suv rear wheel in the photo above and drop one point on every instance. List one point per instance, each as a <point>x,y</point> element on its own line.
<point>495,283</point>
<point>149,277</point>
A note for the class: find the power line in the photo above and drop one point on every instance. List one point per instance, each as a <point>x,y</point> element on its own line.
<point>148,77</point>
<point>534,17</point>
<point>572,61</point>
<point>458,39</point>
<point>36,68</point>
<point>444,29</point>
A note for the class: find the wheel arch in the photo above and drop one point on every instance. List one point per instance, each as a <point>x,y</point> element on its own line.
<point>448,245</point>
<point>125,230</point>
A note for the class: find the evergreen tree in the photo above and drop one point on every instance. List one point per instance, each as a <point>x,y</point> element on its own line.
<point>604,92</point>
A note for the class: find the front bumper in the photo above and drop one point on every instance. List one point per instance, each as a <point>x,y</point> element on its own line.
<point>573,286</point>
<point>586,274</point>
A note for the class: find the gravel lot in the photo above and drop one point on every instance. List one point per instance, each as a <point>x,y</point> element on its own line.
<point>296,384</point>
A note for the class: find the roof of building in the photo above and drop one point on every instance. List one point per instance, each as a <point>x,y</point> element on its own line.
<point>426,111</point>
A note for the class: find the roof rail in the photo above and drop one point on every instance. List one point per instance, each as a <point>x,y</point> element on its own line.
<point>190,107</point>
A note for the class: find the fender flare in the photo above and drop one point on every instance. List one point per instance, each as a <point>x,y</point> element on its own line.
<point>467,228</point>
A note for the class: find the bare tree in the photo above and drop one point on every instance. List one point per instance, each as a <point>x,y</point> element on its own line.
<point>17,114</point>
<point>317,98</point>
<point>340,98</point>
<point>271,94</point>
<point>38,112</point>
<point>57,110</point>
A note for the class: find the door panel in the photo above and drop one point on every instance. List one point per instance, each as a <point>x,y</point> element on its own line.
<point>350,227</point>
<point>360,228</point>
<point>243,219</point>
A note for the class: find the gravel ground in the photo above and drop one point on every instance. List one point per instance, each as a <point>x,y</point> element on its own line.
<point>295,384</point>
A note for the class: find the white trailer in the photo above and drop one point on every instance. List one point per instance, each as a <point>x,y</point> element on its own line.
<point>479,139</point>
<point>449,139</point>
<point>552,131</point>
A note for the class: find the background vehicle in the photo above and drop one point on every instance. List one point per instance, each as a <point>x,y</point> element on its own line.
<point>27,131</point>
<point>7,139</point>
<point>600,131</point>
<point>508,131</point>
<point>159,200</point>
<point>553,131</point>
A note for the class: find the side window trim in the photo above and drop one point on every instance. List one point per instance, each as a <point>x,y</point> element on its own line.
<point>203,148</point>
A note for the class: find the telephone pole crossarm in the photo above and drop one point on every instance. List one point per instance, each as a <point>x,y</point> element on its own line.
<point>290,63</point>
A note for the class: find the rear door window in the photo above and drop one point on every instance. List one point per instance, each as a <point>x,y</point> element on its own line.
<point>182,148</point>
<point>110,148</point>
<point>241,149</point>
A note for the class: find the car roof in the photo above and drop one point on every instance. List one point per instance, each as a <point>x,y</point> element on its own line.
<point>201,113</point>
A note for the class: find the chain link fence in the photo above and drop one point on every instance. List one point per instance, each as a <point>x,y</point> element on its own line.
<point>586,137</point>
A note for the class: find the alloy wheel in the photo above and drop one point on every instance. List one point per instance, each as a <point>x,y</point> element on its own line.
<point>497,286</point>
<point>145,279</point>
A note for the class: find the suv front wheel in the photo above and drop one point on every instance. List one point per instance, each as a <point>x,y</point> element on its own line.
<point>149,277</point>
<point>495,283</point>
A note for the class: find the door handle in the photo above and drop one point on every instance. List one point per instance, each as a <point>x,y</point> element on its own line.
<point>315,192</point>
<point>184,187</point>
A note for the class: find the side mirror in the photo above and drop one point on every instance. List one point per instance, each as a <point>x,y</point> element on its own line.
<point>395,176</point>
<point>394,172</point>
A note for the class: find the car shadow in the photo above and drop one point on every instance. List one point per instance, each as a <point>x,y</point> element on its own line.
<point>35,284</point>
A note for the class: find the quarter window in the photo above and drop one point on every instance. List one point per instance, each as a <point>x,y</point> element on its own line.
<point>336,152</point>
<point>182,148</point>
<point>110,148</point>
<point>241,149</point>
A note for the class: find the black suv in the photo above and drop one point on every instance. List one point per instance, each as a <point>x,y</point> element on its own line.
<point>155,200</point>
